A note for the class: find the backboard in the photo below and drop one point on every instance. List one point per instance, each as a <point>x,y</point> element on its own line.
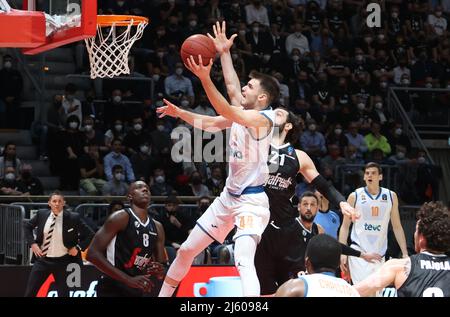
<point>72,21</point>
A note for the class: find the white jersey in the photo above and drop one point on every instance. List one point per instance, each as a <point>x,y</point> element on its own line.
<point>369,232</point>
<point>324,285</point>
<point>248,157</point>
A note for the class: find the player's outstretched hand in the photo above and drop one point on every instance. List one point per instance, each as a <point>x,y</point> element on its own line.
<point>371,257</point>
<point>222,43</point>
<point>168,110</point>
<point>349,211</point>
<point>199,69</point>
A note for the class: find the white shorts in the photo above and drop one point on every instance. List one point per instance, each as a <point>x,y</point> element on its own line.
<point>360,268</point>
<point>249,212</point>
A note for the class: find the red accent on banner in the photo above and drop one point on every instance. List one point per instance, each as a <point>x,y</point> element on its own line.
<point>43,291</point>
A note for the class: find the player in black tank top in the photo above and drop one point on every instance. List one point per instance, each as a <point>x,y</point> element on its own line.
<point>426,274</point>
<point>129,248</point>
<point>274,259</point>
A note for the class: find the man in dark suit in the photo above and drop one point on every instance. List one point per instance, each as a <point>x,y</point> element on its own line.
<point>60,238</point>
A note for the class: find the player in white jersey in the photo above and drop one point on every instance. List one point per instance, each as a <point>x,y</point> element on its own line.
<point>322,258</point>
<point>243,202</point>
<point>376,205</point>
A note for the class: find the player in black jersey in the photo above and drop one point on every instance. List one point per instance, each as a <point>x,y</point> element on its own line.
<point>425,274</point>
<point>129,248</point>
<point>285,162</point>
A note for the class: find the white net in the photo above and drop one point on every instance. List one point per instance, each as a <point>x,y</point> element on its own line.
<point>108,51</point>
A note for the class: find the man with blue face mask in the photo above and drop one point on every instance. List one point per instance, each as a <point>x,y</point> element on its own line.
<point>10,89</point>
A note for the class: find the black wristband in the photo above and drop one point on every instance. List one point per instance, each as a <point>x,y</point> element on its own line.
<point>346,250</point>
<point>328,190</point>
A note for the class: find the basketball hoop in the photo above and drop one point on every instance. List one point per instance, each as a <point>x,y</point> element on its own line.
<point>109,49</point>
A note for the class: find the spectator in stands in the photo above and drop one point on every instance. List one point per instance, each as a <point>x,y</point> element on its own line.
<point>93,109</point>
<point>198,188</point>
<point>161,142</point>
<point>375,140</point>
<point>73,147</point>
<point>379,113</point>
<point>159,186</point>
<point>9,158</point>
<point>256,12</point>
<point>28,183</point>
<point>356,139</point>
<point>114,206</point>
<point>337,137</point>
<point>437,24</point>
<point>115,157</point>
<point>204,106</point>
<point>115,108</point>
<point>331,161</point>
<point>322,97</point>
<point>91,171</point>
<point>297,40</point>
<point>136,137</point>
<point>176,222</point>
<point>9,185</point>
<point>11,85</point>
<point>71,104</point>
<point>216,182</point>
<point>117,131</point>
<point>177,85</point>
<point>312,141</point>
<point>143,162</point>
<point>377,156</point>
<point>117,185</point>
<point>400,155</point>
<point>401,69</point>
<point>396,136</point>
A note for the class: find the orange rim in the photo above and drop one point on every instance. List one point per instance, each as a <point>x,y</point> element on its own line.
<point>120,20</point>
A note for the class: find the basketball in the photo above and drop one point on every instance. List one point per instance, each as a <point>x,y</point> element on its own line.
<point>198,44</point>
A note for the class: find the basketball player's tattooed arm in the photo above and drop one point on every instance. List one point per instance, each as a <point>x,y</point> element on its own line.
<point>223,45</point>
<point>291,288</point>
<point>249,118</point>
<point>309,171</point>
<point>393,272</point>
<point>207,123</point>
<point>397,226</point>
<point>96,253</point>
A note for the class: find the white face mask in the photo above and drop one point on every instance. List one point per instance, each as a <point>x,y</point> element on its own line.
<point>7,65</point>
<point>160,179</point>
<point>359,58</point>
<point>184,103</point>
<point>312,127</point>
<point>117,99</point>
<point>192,3</point>
<point>381,36</point>
<point>361,106</point>
<point>73,125</point>
<point>400,155</point>
<point>242,32</point>
<point>295,58</point>
<point>379,105</point>
<point>394,15</point>
<point>398,131</point>
<point>118,127</point>
<point>383,84</point>
<point>193,23</point>
<point>160,54</point>
<point>421,160</point>
<point>255,29</point>
<point>119,177</point>
<point>144,149</point>
<point>88,128</point>
<point>338,131</point>
<point>179,71</point>
<point>155,77</point>
<point>160,128</point>
<point>405,81</point>
<point>266,57</point>
<point>10,176</point>
<point>234,56</point>
<point>138,127</point>
<point>428,85</point>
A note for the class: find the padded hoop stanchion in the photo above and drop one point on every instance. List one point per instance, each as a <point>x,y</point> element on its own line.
<point>109,49</point>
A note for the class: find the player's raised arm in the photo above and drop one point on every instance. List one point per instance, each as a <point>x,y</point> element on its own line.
<point>223,45</point>
<point>207,123</point>
<point>248,118</point>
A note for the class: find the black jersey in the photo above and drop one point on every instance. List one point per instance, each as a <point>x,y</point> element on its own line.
<point>280,185</point>
<point>131,249</point>
<point>429,276</point>
<point>298,244</point>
